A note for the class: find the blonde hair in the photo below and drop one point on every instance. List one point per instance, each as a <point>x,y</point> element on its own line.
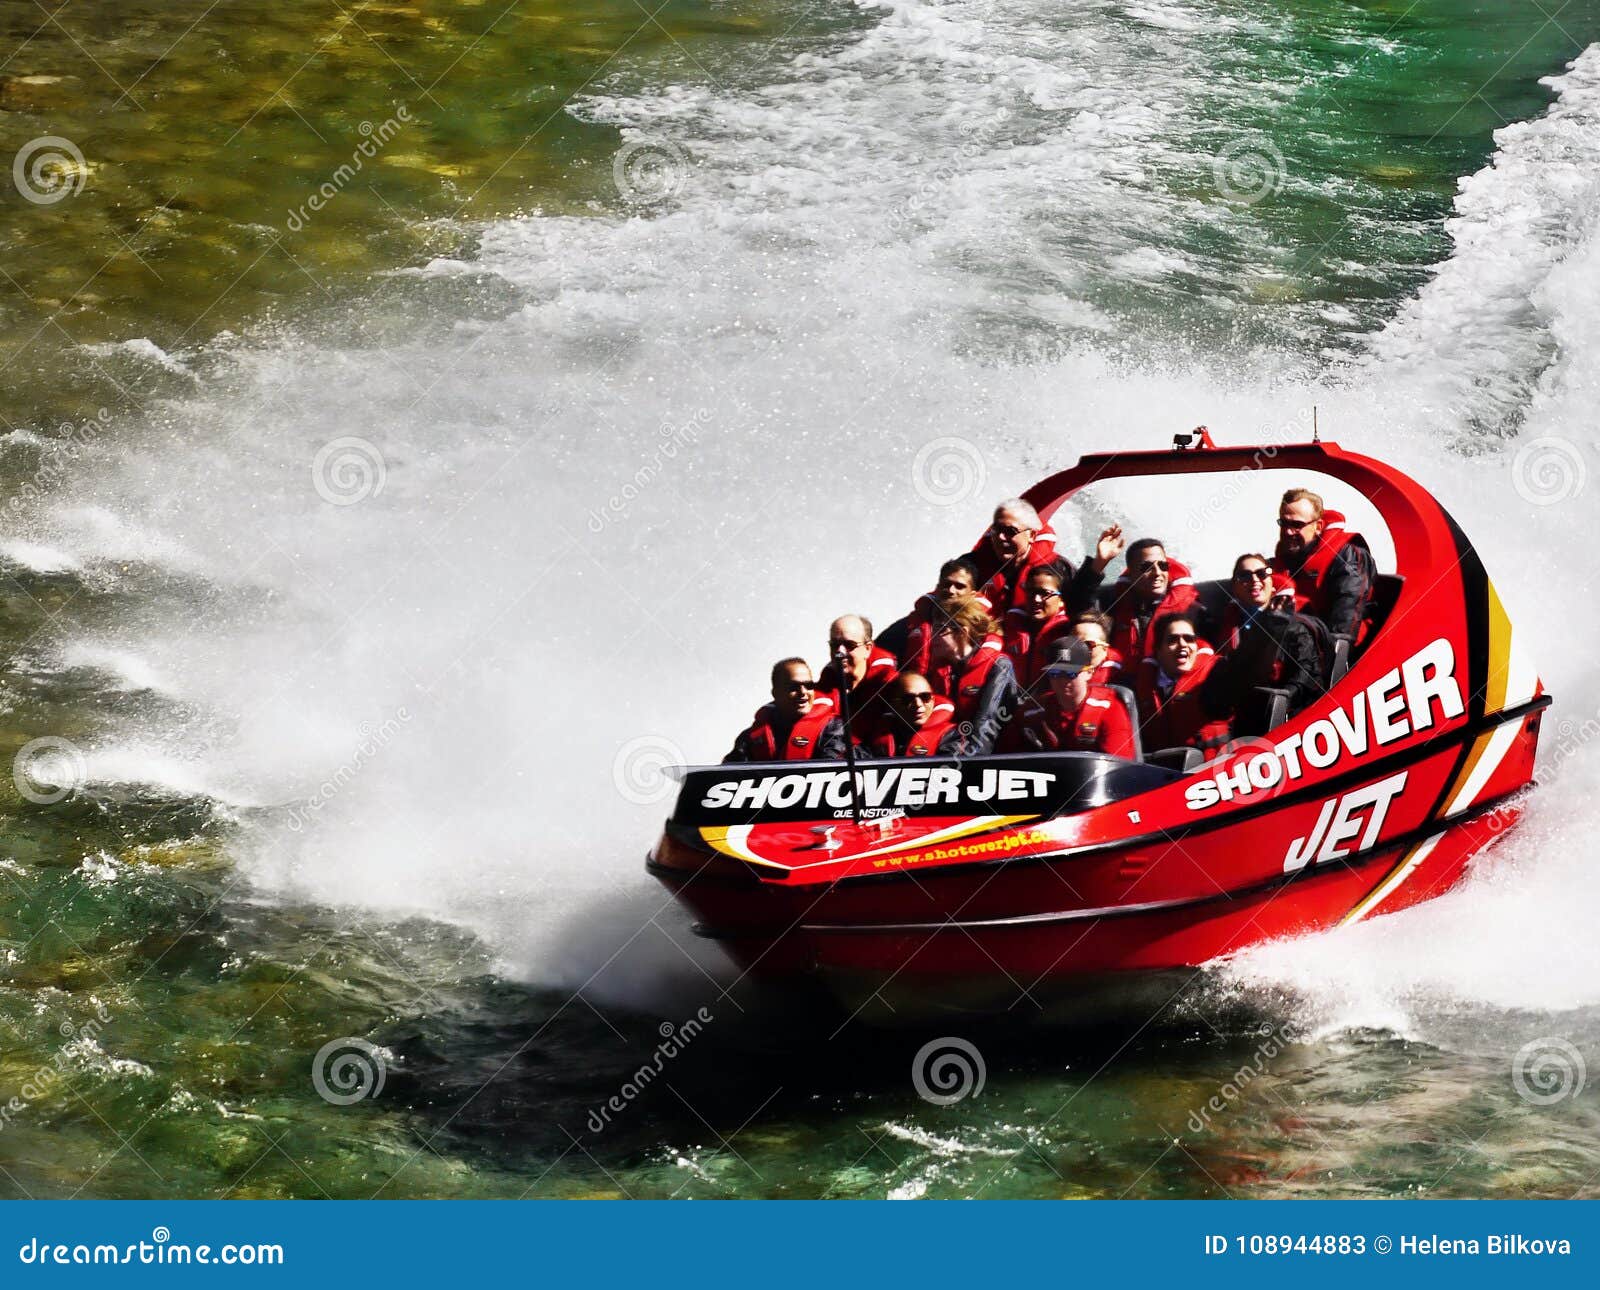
<point>971,620</point>
<point>1302,495</point>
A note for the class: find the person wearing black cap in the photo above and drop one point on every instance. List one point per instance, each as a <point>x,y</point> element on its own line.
<point>1077,715</point>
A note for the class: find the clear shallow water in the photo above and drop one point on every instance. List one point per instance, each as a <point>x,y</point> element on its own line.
<point>351,770</point>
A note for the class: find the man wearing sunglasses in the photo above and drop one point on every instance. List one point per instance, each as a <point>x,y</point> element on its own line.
<point>1184,697</point>
<point>859,662</point>
<point>1018,541</point>
<point>1332,567</point>
<point>1277,646</point>
<point>1152,586</point>
<point>1030,632</point>
<point>797,725</point>
<point>920,723</point>
<point>1077,715</point>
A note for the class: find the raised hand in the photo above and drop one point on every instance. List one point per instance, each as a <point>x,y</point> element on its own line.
<point>1109,547</point>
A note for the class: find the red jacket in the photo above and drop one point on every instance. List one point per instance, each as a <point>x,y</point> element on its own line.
<point>1131,627</point>
<point>964,686</point>
<point>868,699</point>
<point>804,740</point>
<point>937,730</point>
<point>1313,593</point>
<point>914,654</point>
<point>1177,718</point>
<point>1027,644</point>
<point>1004,584</point>
<point>1111,672</point>
<point>1100,725</point>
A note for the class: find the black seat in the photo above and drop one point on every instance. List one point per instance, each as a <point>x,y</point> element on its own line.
<point>1183,759</point>
<point>1385,593</point>
<point>1339,662</point>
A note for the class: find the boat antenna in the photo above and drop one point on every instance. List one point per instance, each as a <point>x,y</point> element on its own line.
<point>840,657</point>
<point>1316,434</point>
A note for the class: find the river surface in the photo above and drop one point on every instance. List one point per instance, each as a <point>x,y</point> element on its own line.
<point>421,421</point>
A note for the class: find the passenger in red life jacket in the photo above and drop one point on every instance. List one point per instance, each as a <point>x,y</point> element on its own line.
<point>1256,605</point>
<point>1030,631</point>
<point>868,670</point>
<point>797,725</point>
<point>910,638</point>
<point>1077,715</point>
<point>1332,567</point>
<point>1178,703</point>
<point>1107,664</point>
<point>971,670</point>
<point>1019,541</point>
<point>919,723</point>
<point>1152,586</point>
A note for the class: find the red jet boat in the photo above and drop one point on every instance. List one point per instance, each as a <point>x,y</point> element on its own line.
<point>977,884</point>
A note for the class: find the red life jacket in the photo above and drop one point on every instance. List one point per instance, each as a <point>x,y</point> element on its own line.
<point>1101,724</point>
<point>1111,671</point>
<point>1133,639</point>
<point>803,739</point>
<point>1027,644</point>
<point>963,682</point>
<point>867,705</point>
<point>923,742</point>
<point>1311,593</point>
<point>915,653</point>
<point>1176,719</point>
<point>1004,585</point>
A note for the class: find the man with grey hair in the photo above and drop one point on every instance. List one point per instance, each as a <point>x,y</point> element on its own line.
<point>1018,541</point>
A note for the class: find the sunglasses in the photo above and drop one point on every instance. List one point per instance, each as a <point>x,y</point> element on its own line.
<point>849,645</point>
<point>1180,638</point>
<point>1253,575</point>
<point>792,686</point>
<point>917,696</point>
<point>1043,593</point>
<point>1150,565</point>
<point>1008,530</point>
<point>1289,526</point>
